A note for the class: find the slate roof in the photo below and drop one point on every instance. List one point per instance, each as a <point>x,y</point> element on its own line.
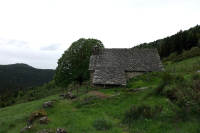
<point>110,64</point>
<point>109,76</point>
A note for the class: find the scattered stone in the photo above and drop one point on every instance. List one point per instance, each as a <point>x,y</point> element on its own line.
<point>93,104</point>
<point>198,71</point>
<point>44,120</point>
<point>114,95</point>
<point>48,104</point>
<point>142,88</point>
<point>47,131</point>
<point>36,115</point>
<point>138,89</point>
<point>27,128</point>
<point>68,95</point>
<point>73,97</point>
<point>58,130</point>
<point>61,130</point>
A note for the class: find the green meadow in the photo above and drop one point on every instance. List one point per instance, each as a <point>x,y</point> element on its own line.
<point>171,104</point>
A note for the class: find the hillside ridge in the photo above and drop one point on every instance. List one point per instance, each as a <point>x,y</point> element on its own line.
<point>20,76</point>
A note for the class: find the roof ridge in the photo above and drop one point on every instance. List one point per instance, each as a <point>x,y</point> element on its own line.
<point>129,48</point>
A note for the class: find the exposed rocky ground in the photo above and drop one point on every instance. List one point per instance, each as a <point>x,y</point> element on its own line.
<point>40,116</point>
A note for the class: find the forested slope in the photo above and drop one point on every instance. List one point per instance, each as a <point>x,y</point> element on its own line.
<point>177,43</point>
<point>19,76</point>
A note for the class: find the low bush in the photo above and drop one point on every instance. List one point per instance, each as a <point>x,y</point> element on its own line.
<point>31,98</point>
<point>167,80</point>
<point>187,100</point>
<point>167,77</point>
<point>159,89</point>
<point>195,76</point>
<point>135,112</point>
<point>103,124</point>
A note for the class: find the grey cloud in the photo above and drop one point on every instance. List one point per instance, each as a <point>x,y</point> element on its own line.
<point>51,47</point>
<point>14,42</point>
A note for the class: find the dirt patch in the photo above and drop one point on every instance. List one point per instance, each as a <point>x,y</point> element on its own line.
<point>98,94</point>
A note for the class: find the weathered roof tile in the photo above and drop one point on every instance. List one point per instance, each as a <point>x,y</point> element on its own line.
<point>110,64</point>
<point>127,59</point>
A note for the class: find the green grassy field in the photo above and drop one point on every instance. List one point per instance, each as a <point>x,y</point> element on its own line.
<point>127,112</point>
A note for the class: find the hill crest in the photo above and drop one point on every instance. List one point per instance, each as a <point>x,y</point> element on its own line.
<point>20,76</point>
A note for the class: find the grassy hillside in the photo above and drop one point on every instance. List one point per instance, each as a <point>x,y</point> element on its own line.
<point>171,105</point>
<point>20,76</point>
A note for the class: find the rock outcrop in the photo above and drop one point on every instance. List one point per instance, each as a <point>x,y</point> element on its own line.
<point>46,131</point>
<point>48,104</point>
<point>61,130</point>
<point>68,95</point>
<point>58,130</point>
<point>44,120</point>
<point>27,128</point>
<point>36,115</point>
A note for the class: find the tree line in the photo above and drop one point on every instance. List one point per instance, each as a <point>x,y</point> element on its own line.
<point>20,76</point>
<point>177,43</point>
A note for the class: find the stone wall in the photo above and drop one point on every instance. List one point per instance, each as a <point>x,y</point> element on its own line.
<point>133,74</point>
<point>128,76</point>
<point>98,86</point>
<point>91,77</point>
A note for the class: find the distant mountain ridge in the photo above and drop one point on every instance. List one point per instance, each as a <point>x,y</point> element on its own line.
<point>20,76</point>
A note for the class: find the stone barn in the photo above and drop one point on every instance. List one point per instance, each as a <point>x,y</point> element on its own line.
<point>116,66</point>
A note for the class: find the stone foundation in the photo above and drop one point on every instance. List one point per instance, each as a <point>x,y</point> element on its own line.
<point>91,77</point>
<point>133,74</point>
<point>128,76</point>
<point>106,86</point>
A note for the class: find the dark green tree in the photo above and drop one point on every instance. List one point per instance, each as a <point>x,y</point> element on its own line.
<point>198,44</point>
<point>74,63</point>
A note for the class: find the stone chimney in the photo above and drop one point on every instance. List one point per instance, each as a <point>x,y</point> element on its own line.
<point>95,50</point>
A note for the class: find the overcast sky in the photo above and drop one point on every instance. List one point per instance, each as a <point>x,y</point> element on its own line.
<point>37,32</point>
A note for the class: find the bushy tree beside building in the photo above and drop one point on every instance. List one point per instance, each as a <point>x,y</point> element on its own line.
<point>73,64</point>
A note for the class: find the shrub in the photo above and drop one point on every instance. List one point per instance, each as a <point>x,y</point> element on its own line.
<point>12,125</point>
<point>8,103</point>
<point>2,104</point>
<point>12,100</point>
<point>187,99</point>
<point>103,124</point>
<point>195,76</point>
<point>170,94</point>
<point>31,98</point>
<point>179,78</point>
<point>145,111</point>
<point>167,77</point>
<point>193,52</point>
<point>159,89</point>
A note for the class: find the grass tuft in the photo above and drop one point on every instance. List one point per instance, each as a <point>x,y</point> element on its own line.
<point>103,124</point>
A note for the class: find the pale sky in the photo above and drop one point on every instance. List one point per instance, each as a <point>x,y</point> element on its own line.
<point>37,32</point>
